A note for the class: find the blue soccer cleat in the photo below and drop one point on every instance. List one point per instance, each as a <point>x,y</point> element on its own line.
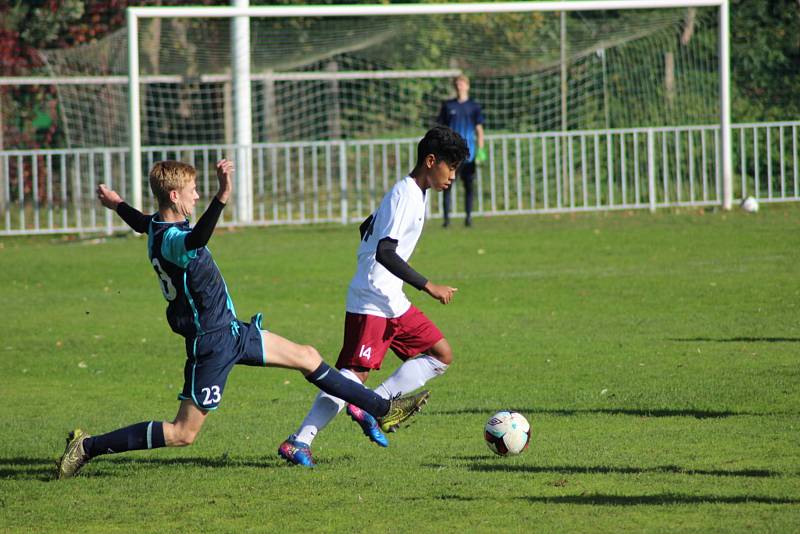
<point>296,452</point>
<point>368,424</point>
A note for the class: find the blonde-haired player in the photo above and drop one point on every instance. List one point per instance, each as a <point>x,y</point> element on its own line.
<point>200,310</point>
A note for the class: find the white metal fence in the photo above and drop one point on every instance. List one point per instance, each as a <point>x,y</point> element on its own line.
<point>51,191</point>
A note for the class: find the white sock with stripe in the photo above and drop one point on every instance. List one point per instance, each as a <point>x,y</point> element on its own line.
<point>412,375</point>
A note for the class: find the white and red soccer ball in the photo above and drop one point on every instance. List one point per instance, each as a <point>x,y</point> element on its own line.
<point>507,433</point>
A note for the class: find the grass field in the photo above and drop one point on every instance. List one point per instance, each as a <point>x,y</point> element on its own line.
<point>656,357</point>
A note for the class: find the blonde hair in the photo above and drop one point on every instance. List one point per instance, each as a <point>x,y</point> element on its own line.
<point>166,176</point>
<point>460,77</point>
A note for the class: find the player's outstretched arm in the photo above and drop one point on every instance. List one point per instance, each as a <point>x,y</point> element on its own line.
<point>134,218</point>
<point>225,178</point>
<point>202,231</point>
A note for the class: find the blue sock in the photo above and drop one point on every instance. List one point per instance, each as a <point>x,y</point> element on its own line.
<point>332,382</point>
<point>147,435</point>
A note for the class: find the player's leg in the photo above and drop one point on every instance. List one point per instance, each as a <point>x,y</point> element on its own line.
<point>468,181</point>
<point>183,430</point>
<point>297,447</point>
<point>369,426</point>
<point>82,447</point>
<point>446,194</point>
<point>362,345</point>
<point>366,340</point>
<point>324,409</point>
<point>426,352</point>
<point>281,352</point>
<point>210,359</point>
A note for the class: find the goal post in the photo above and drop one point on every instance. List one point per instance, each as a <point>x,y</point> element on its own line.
<point>135,14</point>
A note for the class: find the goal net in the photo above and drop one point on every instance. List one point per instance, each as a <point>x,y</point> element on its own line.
<point>320,78</point>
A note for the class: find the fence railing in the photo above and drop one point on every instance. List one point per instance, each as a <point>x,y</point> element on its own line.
<point>52,191</point>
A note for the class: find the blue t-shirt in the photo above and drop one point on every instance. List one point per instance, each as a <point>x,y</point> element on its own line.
<point>197,298</point>
<point>462,117</point>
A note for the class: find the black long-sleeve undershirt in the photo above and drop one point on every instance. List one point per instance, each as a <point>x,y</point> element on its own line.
<point>386,255</point>
<point>197,238</point>
<point>134,218</point>
<point>201,233</point>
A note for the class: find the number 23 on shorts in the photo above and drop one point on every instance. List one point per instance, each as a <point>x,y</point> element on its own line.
<point>211,395</point>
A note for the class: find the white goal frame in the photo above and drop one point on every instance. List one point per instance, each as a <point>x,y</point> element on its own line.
<point>240,14</point>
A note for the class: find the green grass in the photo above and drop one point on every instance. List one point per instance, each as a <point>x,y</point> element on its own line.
<point>654,355</point>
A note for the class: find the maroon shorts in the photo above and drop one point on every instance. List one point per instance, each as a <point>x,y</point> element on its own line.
<point>366,338</point>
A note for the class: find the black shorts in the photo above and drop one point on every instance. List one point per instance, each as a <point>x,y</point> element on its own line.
<point>210,358</point>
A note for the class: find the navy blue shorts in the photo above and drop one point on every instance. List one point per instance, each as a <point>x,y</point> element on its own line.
<point>211,357</point>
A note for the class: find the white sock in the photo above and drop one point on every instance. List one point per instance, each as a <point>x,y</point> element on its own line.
<point>322,412</point>
<point>413,374</point>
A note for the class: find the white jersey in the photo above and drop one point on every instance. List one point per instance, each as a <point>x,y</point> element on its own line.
<point>401,215</point>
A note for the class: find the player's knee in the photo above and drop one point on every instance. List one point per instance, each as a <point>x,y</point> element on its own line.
<point>442,352</point>
<point>446,358</point>
<point>310,357</point>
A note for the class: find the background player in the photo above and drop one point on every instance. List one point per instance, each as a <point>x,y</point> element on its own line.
<point>200,309</point>
<point>464,115</point>
<point>379,315</point>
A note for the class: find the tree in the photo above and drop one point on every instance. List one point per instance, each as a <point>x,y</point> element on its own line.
<point>765,60</point>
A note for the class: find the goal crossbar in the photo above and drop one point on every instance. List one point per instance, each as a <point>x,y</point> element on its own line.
<point>413,9</point>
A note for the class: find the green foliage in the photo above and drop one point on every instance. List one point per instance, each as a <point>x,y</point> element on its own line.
<point>765,60</point>
<point>43,22</point>
<point>654,355</point>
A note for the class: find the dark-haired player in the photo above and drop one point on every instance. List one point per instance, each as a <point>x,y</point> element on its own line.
<point>379,315</point>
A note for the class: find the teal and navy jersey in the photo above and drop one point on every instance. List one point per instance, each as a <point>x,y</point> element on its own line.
<point>462,117</point>
<point>198,300</point>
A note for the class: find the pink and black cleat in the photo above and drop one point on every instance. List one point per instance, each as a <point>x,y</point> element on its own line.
<point>368,424</point>
<point>296,452</point>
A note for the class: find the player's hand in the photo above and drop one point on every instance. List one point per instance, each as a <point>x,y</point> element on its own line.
<point>481,156</point>
<point>225,177</point>
<point>443,294</point>
<point>108,197</point>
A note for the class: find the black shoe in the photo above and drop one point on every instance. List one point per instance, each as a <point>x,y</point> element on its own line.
<point>468,221</point>
<point>446,223</point>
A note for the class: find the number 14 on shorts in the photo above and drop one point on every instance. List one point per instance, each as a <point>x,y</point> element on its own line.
<point>365,353</point>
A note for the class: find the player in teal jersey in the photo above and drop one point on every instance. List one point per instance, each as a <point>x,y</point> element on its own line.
<point>201,311</point>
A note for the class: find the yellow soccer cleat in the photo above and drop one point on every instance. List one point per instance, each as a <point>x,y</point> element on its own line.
<point>75,456</point>
<point>401,408</point>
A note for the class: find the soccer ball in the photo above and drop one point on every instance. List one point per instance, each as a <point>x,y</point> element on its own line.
<point>507,433</point>
<point>750,205</point>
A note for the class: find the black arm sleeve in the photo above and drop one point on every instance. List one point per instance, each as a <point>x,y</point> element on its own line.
<point>201,233</point>
<point>134,218</point>
<point>387,256</point>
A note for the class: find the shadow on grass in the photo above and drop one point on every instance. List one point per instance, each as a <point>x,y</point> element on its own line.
<point>445,497</point>
<point>604,470</point>
<point>657,500</point>
<point>656,412</point>
<point>28,468</point>
<point>191,461</point>
<point>739,339</point>
<point>45,468</point>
